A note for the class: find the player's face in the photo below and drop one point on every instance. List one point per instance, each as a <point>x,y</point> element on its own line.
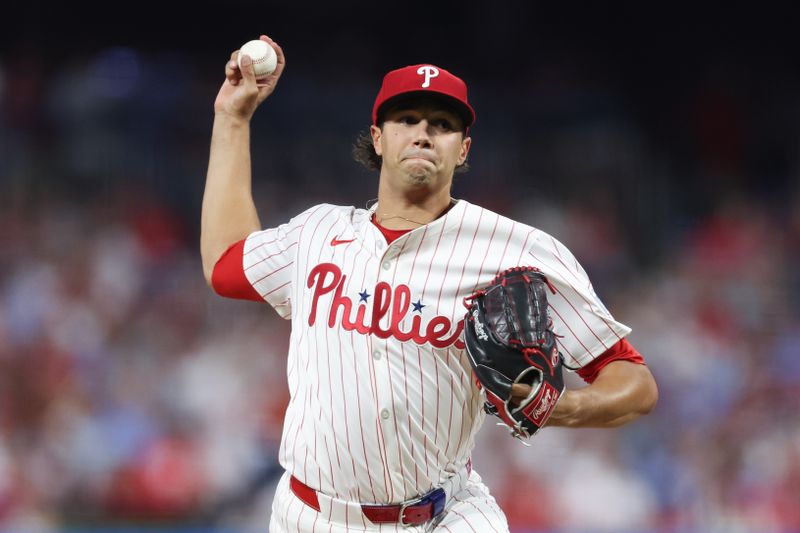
<point>421,144</point>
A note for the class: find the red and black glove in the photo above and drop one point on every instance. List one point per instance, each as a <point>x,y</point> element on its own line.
<point>509,339</point>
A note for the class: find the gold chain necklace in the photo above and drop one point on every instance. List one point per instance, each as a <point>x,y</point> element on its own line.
<point>392,216</point>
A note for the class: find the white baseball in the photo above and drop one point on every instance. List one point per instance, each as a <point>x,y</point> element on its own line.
<point>263,55</point>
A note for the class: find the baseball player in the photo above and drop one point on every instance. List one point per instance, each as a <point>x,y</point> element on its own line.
<point>383,409</point>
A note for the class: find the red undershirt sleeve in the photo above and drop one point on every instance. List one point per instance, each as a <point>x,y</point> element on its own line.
<point>621,351</point>
<point>228,277</point>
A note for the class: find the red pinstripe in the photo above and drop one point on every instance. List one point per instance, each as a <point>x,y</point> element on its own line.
<point>469,491</point>
<point>566,324</point>
<point>344,399</point>
<point>419,360</point>
<point>464,520</point>
<point>563,349</point>
<point>293,394</point>
<point>405,381</point>
<point>419,352</point>
<point>436,366</point>
<point>488,247</point>
<point>379,432</point>
<point>422,413</point>
<point>524,247</point>
<point>564,296</point>
<point>557,248</point>
<point>259,280</point>
<point>275,289</point>
<point>259,245</point>
<point>394,414</point>
<point>503,255</point>
<point>300,425</point>
<point>326,336</point>
<point>464,266</point>
<point>453,313</point>
<point>358,394</point>
<point>270,256</point>
<point>408,414</point>
<point>299,515</point>
<point>382,442</point>
<point>447,351</point>
<point>466,430</point>
<point>308,361</point>
<point>604,319</point>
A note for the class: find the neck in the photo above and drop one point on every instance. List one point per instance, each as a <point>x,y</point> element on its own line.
<point>410,209</point>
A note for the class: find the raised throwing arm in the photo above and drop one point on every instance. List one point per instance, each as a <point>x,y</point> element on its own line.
<point>228,211</point>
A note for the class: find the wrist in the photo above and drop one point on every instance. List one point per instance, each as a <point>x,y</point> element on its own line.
<point>225,118</point>
<point>567,411</point>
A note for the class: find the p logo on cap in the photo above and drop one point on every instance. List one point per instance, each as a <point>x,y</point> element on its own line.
<point>422,79</point>
<point>429,71</point>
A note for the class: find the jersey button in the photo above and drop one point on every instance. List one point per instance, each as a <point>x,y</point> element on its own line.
<point>386,265</point>
<point>381,244</point>
<point>376,355</point>
<point>385,414</point>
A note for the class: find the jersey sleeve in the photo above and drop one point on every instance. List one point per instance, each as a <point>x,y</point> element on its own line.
<point>268,259</point>
<point>621,351</point>
<point>228,278</point>
<point>585,327</point>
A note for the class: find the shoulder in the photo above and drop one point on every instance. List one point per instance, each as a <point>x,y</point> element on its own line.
<point>489,220</point>
<point>329,210</point>
<point>312,218</point>
<point>324,212</point>
<point>540,245</point>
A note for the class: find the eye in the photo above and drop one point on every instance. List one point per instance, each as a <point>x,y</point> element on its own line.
<point>443,124</point>
<point>407,119</point>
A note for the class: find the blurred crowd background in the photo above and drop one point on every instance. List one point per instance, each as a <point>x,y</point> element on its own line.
<point>663,151</point>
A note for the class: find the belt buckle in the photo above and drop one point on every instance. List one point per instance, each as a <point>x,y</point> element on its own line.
<point>436,497</point>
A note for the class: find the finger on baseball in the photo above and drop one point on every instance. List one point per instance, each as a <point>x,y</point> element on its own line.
<point>281,59</point>
<point>247,71</point>
<point>232,73</point>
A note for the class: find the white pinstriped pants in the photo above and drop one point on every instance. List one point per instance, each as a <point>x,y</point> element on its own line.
<point>471,509</point>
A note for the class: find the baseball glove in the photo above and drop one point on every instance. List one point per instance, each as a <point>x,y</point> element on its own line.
<point>509,339</point>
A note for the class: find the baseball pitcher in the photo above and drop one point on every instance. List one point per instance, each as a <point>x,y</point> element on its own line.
<point>411,319</point>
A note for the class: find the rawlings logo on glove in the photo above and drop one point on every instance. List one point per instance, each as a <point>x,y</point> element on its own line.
<point>509,340</point>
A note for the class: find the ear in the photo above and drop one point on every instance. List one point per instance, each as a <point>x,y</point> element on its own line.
<point>376,134</point>
<point>465,145</point>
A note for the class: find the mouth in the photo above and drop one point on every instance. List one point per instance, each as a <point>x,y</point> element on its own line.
<point>420,156</point>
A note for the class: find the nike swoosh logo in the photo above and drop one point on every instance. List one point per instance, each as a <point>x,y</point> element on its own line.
<point>336,241</point>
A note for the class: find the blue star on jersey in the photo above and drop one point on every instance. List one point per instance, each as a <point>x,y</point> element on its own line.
<point>418,306</point>
<point>364,295</point>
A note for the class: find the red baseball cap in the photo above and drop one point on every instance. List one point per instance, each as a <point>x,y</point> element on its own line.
<point>422,79</point>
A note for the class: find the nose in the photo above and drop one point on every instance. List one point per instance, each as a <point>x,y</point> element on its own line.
<point>422,138</point>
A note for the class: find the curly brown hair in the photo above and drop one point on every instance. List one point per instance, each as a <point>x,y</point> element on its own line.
<point>364,153</point>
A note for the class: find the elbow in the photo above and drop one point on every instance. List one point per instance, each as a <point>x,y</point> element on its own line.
<point>210,256</point>
<point>208,269</point>
<point>648,395</point>
<point>208,274</point>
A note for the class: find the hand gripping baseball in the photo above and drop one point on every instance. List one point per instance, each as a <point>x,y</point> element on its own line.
<point>509,340</point>
<point>240,94</point>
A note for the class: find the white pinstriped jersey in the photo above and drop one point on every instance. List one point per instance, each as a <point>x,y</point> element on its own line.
<point>383,406</point>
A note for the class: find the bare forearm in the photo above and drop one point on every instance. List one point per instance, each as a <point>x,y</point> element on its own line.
<point>621,393</point>
<point>228,212</point>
